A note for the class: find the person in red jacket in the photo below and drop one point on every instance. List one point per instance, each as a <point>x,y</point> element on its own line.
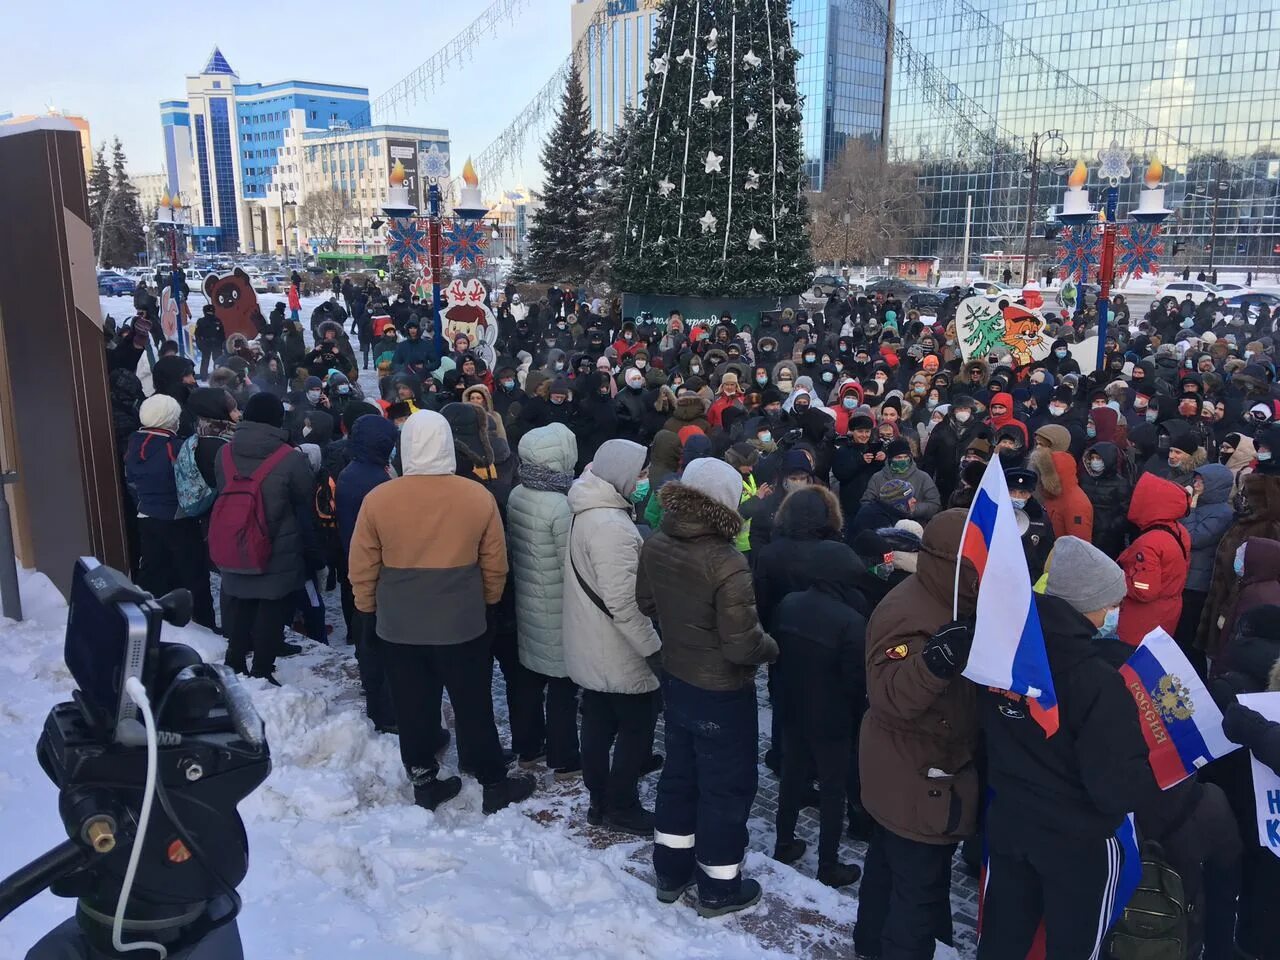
<point>1156,563</point>
<point>843,410</point>
<point>295,302</point>
<point>1068,509</point>
<point>729,396</point>
<point>1001,410</point>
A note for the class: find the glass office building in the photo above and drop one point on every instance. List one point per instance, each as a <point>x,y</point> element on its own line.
<point>841,73</point>
<point>1194,83</point>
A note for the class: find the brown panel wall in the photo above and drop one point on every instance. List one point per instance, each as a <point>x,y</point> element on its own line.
<point>57,429</point>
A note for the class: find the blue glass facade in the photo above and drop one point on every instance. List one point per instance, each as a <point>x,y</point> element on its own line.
<point>224,171</point>
<point>1195,84</point>
<point>202,163</point>
<point>841,76</point>
<point>617,60</point>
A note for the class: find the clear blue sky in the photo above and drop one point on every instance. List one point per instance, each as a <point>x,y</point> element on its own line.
<point>114,62</point>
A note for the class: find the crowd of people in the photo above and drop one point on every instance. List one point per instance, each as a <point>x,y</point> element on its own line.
<point>630,516</point>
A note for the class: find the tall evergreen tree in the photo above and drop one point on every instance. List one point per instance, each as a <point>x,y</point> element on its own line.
<point>608,200</point>
<point>557,250</point>
<point>99,195</point>
<point>715,191</point>
<point>122,236</point>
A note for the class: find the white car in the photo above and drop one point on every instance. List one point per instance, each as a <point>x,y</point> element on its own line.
<point>1231,289</point>
<point>1198,290</point>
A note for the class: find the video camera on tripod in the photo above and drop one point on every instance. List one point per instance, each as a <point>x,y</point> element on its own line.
<point>160,881</point>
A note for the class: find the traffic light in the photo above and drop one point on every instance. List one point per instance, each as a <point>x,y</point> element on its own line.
<point>1177,247</point>
<point>1275,250</point>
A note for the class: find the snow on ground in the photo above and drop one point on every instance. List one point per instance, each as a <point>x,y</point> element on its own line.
<point>342,864</point>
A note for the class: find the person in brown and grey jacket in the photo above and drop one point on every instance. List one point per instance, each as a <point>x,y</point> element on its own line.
<point>916,751</point>
<point>427,556</point>
<point>696,582</point>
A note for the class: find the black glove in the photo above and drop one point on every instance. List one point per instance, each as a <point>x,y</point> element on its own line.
<point>654,660</point>
<point>947,651</point>
<point>1243,725</point>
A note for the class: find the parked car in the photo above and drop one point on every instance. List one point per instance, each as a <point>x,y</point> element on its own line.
<point>1250,302</point>
<point>113,284</point>
<point>891,286</point>
<point>276,282</point>
<point>1197,289</point>
<point>928,302</point>
<point>825,284</point>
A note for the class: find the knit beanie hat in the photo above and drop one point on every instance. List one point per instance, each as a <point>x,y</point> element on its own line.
<point>716,480</point>
<point>1084,576</point>
<point>1184,441</point>
<point>265,408</point>
<point>160,412</point>
<point>896,493</point>
<point>795,461</point>
<point>741,455</point>
<point>897,448</point>
<point>685,432</point>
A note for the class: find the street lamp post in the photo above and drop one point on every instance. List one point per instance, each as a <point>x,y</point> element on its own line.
<point>284,231</point>
<point>1039,142</point>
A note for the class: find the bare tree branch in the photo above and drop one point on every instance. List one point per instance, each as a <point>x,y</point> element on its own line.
<point>869,208</point>
<point>323,214</point>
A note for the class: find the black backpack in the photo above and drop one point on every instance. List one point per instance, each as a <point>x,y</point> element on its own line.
<point>1155,923</point>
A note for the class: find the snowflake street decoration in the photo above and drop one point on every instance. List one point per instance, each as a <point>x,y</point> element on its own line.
<point>754,239</point>
<point>753,180</point>
<point>711,100</point>
<point>750,60</point>
<point>659,65</point>
<point>1139,249</point>
<point>464,242</point>
<point>434,164</point>
<point>665,187</point>
<point>407,240</point>
<point>685,57</point>
<point>1113,163</point>
<point>712,163</point>
<point>712,38</point>
<point>751,120</point>
<point>1078,250</point>
<point>708,221</point>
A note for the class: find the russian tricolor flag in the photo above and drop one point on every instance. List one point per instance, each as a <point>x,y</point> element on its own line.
<point>1181,723</point>
<point>1008,646</point>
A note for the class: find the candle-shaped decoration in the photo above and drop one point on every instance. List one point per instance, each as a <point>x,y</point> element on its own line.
<point>469,196</point>
<point>398,194</point>
<point>165,201</point>
<point>1076,200</point>
<point>1151,197</point>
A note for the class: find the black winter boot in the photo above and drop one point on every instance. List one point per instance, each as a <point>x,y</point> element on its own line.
<point>839,874</point>
<point>637,821</point>
<point>748,895</point>
<point>435,792</point>
<point>506,792</point>
<point>789,851</point>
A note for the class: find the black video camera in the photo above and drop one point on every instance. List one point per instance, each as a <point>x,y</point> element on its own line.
<point>163,872</point>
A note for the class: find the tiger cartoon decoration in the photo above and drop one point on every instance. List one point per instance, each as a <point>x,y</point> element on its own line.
<point>466,312</point>
<point>985,325</point>
<point>1024,335</point>
<point>234,301</point>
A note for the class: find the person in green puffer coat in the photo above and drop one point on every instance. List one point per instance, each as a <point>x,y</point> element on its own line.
<point>544,716</point>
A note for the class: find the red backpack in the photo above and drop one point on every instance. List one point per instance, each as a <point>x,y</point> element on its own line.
<point>239,540</point>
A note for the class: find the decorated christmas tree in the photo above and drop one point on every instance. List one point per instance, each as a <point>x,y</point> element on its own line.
<point>714,191</point>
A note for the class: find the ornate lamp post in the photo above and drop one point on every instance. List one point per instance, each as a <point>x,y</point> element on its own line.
<point>1051,140</point>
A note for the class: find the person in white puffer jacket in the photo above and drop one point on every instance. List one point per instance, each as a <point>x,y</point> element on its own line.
<point>545,715</point>
<point>608,642</point>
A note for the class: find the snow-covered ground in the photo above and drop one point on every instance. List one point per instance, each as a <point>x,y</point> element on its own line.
<point>343,865</point>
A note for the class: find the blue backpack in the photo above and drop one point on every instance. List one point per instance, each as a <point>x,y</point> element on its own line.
<point>195,498</point>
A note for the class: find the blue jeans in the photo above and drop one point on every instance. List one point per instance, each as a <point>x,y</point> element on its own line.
<point>707,787</point>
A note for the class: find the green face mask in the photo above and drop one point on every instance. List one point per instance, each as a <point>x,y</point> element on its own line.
<point>900,467</point>
<point>641,491</point>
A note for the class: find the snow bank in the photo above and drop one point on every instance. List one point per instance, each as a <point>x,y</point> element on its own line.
<point>342,864</point>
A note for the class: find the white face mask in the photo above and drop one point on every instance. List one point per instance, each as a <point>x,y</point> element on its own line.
<point>313,395</point>
<point>962,416</point>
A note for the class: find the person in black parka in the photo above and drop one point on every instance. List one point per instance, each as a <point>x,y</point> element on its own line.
<point>822,638</point>
<point>1110,494</point>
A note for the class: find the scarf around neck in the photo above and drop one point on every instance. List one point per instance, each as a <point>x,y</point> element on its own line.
<point>537,477</point>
